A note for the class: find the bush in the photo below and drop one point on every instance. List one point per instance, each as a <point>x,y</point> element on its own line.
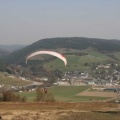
<point>41,96</point>
<point>9,96</point>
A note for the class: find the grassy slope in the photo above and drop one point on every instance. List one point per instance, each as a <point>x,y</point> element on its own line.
<point>77,62</point>
<point>6,80</point>
<point>116,55</point>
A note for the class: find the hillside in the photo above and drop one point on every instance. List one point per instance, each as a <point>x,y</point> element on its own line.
<point>3,52</point>
<point>7,49</point>
<point>78,43</point>
<point>79,62</point>
<point>7,79</point>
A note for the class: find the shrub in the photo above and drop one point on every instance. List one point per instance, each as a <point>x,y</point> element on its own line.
<point>42,96</point>
<point>9,96</point>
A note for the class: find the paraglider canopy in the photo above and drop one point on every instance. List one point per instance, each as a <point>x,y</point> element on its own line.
<point>58,55</point>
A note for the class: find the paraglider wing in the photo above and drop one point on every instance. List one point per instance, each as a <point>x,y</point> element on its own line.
<point>50,53</point>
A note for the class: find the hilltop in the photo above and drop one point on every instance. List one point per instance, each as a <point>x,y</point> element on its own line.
<point>77,43</point>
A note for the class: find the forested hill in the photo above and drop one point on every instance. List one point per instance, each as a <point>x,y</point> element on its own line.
<point>101,45</point>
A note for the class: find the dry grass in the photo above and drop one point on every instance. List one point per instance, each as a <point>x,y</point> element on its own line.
<point>90,116</point>
<point>98,94</point>
<point>59,111</point>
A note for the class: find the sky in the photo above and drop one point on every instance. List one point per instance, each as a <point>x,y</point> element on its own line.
<point>27,21</point>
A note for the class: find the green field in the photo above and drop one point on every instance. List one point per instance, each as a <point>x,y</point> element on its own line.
<point>65,93</point>
<point>115,55</point>
<point>77,62</point>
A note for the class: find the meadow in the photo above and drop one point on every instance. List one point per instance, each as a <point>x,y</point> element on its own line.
<point>66,94</point>
<point>77,62</point>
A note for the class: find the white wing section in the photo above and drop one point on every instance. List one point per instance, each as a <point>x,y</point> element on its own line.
<point>50,53</point>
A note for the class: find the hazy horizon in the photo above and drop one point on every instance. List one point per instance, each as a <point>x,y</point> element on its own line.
<point>27,21</point>
<point>22,44</point>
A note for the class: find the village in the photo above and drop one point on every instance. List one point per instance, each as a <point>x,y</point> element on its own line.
<point>109,79</point>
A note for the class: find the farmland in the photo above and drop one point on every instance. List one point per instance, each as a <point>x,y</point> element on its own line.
<point>77,62</point>
<point>68,94</point>
<point>72,102</point>
<point>69,105</point>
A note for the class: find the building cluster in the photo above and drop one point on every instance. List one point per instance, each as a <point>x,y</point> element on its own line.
<point>108,77</point>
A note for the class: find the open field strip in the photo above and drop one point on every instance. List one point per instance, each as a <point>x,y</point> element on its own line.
<point>68,94</point>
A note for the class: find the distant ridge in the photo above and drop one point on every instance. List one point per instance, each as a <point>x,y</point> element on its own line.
<point>79,43</point>
<point>11,47</point>
<point>3,52</point>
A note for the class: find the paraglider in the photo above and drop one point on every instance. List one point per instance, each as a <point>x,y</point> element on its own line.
<point>45,90</point>
<point>50,53</point>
